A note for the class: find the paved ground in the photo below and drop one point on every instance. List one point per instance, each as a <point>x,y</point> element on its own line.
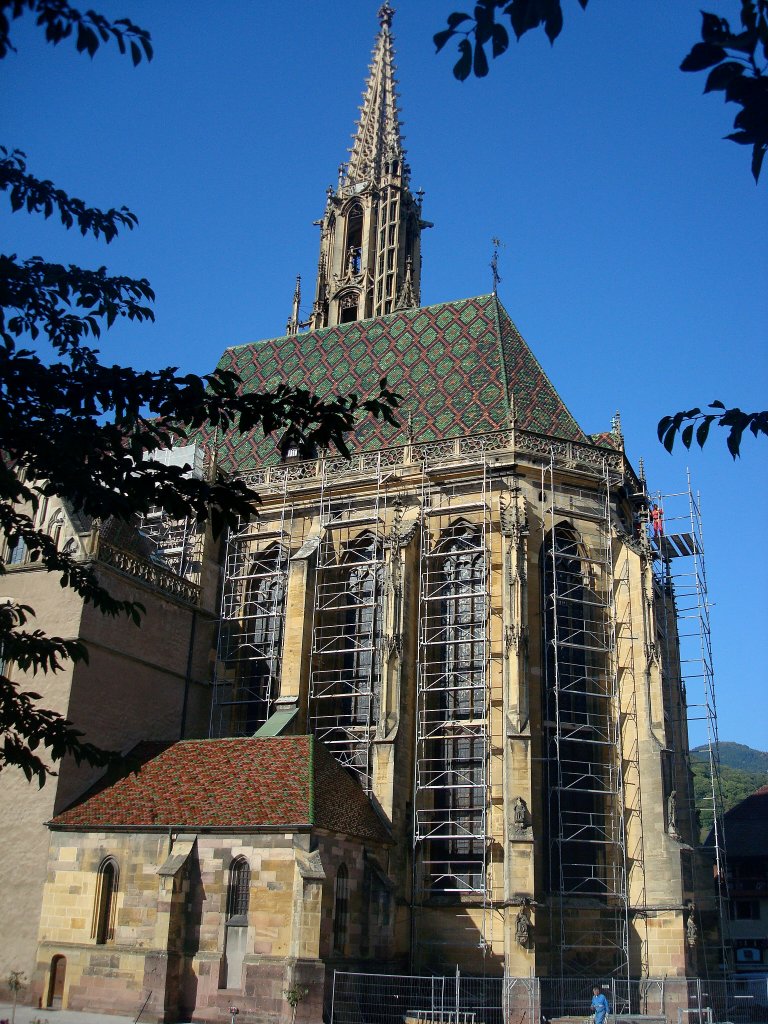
<point>27,1014</point>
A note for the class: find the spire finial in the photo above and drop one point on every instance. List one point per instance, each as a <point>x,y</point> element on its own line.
<point>377,150</point>
<point>495,264</point>
<point>385,15</point>
<point>293,325</point>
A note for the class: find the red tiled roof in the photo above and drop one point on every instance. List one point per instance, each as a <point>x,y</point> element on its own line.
<point>240,784</point>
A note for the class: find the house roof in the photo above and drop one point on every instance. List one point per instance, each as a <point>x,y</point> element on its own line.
<point>277,783</point>
<point>459,366</point>
<point>746,826</point>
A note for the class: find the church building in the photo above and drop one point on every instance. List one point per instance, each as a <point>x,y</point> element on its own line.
<point>431,715</point>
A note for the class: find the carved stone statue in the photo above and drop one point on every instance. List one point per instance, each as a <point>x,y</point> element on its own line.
<point>691,931</point>
<point>522,928</point>
<point>672,813</point>
<point>520,812</point>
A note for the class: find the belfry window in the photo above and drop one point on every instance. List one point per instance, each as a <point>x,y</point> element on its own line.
<point>348,307</point>
<point>355,235</point>
<point>104,905</point>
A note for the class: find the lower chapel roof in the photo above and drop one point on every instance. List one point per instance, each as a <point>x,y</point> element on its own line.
<point>274,784</point>
<point>460,367</point>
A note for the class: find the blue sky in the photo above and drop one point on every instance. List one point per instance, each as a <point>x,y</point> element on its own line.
<point>634,257</point>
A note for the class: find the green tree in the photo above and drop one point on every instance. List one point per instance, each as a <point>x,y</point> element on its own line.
<point>74,428</point>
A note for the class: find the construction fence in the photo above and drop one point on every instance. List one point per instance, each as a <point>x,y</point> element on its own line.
<point>462,999</point>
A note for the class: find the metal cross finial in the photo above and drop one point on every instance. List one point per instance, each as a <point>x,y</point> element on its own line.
<point>385,15</point>
<point>495,264</point>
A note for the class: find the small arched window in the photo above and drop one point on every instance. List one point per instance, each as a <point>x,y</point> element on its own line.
<point>106,897</point>
<point>55,526</point>
<point>239,891</point>
<point>341,910</point>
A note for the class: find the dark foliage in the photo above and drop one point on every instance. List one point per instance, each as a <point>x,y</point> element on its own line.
<point>694,423</point>
<point>733,56</point>
<point>76,429</point>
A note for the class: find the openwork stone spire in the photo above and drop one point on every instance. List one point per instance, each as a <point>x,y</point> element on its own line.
<point>377,141</point>
<point>370,246</point>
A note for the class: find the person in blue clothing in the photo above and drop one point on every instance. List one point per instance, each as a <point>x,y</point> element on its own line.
<point>599,1005</point>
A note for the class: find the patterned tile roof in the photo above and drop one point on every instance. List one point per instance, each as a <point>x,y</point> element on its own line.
<point>460,366</point>
<point>235,784</point>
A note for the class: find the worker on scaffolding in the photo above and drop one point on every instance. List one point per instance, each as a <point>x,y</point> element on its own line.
<point>657,521</point>
<point>600,1006</point>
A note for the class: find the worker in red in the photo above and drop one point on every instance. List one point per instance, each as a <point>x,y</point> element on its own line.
<point>657,519</point>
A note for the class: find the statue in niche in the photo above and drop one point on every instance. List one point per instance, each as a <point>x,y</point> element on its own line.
<point>520,812</point>
<point>672,813</point>
<point>691,931</point>
<point>522,928</point>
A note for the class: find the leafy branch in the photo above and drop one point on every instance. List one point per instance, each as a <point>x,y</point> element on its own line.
<point>695,420</point>
<point>34,196</point>
<point>481,28</point>
<point>736,72</point>
<point>88,29</point>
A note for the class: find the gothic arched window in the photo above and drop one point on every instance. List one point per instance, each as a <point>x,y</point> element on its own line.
<point>238,891</point>
<point>576,712</point>
<point>457,635</point>
<point>341,910</point>
<point>354,239</point>
<point>106,898</point>
<point>236,922</point>
<point>55,526</point>
<point>361,568</point>
<point>256,640</point>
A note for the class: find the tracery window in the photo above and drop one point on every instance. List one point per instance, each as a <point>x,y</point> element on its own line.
<point>576,711</point>
<point>256,640</point>
<point>361,569</point>
<point>460,641</point>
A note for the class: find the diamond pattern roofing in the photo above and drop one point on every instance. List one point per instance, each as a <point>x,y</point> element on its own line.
<point>460,367</point>
<point>287,782</point>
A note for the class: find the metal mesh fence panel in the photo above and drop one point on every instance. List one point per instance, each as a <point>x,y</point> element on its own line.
<point>463,999</point>
<point>403,999</point>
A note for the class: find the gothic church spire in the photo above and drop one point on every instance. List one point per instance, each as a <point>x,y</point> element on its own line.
<point>377,139</point>
<point>370,246</point>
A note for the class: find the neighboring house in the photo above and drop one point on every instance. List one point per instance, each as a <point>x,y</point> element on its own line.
<point>746,842</point>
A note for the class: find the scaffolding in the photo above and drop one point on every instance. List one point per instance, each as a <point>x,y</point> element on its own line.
<point>250,645</point>
<point>680,582</point>
<point>345,673</point>
<point>451,784</point>
<point>176,544</point>
<point>589,911</point>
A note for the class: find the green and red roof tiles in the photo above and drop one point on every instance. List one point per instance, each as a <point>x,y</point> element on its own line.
<point>459,367</point>
<point>279,783</point>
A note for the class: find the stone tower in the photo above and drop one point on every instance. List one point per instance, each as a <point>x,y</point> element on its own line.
<point>370,253</point>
